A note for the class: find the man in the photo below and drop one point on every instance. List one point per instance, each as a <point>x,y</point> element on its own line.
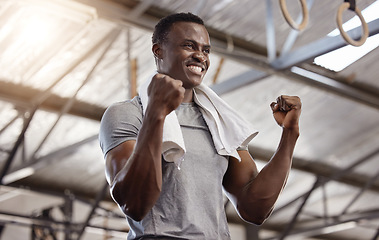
<point>160,200</point>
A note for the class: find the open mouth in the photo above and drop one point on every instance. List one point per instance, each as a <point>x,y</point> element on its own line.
<point>196,69</point>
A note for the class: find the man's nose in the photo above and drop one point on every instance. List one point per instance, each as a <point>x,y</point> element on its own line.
<point>200,56</point>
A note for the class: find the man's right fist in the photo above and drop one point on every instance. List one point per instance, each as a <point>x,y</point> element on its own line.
<point>165,93</point>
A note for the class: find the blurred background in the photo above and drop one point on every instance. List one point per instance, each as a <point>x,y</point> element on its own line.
<point>62,62</point>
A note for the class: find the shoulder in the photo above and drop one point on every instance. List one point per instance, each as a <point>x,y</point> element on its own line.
<point>129,111</point>
<point>125,107</point>
<point>122,115</point>
<point>120,122</point>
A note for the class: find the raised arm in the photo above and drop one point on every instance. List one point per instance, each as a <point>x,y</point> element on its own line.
<point>254,194</point>
<point>133,169</point>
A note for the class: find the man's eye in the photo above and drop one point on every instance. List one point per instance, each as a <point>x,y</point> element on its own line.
<point>207,51</point>
<point>188,45</point>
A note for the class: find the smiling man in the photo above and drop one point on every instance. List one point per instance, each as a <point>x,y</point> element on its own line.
<point>183,199</point>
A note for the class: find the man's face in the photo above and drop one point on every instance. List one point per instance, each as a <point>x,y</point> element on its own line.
<point>185,54</point>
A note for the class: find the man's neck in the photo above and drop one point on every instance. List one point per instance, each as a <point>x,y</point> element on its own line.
<point>188,96</point>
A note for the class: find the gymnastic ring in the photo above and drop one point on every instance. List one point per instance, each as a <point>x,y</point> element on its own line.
<point>289,19</point>
<point>345,36</point>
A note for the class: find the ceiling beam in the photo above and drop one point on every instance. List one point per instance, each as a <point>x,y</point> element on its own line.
<point>270,32</point>
<point>30,167</point>
<point>140,8</point>
<point>314,227</point>
<point>100,196</point>
<point>334,85</point>
<point>327,225</point>
<point>239,81</point>
<point>355,93</point>
<point>21,96</point>
<point>122,11</point>
<point>29,221</point>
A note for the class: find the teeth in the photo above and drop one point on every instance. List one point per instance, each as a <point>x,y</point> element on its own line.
<point>195,68</point>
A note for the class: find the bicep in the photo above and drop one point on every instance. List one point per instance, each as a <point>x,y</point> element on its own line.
<point>116,159</point>
<point>239,174</point>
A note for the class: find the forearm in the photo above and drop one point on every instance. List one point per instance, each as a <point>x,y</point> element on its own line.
<point>274,174</point>
<point>137,185</point>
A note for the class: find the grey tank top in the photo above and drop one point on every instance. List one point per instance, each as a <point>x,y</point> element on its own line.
<point>191,202</point>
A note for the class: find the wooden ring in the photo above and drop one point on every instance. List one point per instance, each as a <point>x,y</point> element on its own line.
<point>289,19</point>
<point>345,36</point>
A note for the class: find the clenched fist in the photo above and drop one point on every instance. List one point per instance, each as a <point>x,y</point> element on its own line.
<point>286,111</point>
<point>165,93</point>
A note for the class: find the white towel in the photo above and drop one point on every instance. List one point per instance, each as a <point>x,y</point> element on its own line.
<point>229,131</point>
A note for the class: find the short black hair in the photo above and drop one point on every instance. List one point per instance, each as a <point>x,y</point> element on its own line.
<point>163,26</point>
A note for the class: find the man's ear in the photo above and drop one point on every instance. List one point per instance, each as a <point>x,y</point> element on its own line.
<point>157,50</point>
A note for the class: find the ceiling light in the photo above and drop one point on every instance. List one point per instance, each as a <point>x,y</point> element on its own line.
<point>341,58</point>
<point>17,175</point>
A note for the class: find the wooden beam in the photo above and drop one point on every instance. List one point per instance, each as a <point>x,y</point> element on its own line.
<point>21,96</point>
<point>133,77</point>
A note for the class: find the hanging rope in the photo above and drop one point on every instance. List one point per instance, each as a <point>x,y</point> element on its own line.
<point>290,21</point>
<point>350,4</point>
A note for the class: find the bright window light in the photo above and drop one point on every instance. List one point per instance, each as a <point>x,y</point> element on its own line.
<point>341,58</point>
